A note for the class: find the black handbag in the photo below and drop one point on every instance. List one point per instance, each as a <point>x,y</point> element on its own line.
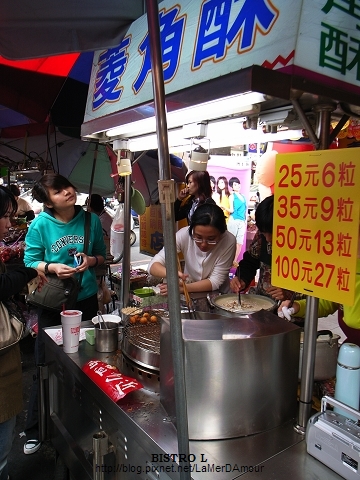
<point>56,294</point>
<point>60,293</point>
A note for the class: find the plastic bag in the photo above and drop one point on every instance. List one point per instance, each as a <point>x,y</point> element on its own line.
<point>110,380</point>
<point>117,233</point>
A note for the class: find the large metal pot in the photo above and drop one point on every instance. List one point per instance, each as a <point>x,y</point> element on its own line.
<point>241,376</point>
<point>327,349</point>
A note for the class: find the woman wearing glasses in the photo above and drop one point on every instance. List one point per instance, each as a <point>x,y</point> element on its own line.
<point>208,250</point>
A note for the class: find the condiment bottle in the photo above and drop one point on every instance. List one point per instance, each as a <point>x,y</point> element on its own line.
<point>347,387</point>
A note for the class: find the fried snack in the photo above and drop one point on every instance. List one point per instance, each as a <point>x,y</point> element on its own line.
<point>131,310</point>
<point>137,316</point>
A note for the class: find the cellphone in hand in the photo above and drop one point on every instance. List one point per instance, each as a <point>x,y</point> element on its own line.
<point>77,261</point>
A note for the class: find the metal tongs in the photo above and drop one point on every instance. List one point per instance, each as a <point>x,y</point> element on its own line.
<point>188,299</point>
<point>102,322</point>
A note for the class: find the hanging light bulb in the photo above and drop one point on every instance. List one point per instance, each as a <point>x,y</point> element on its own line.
<point>123,161</point>
<point>123,165</point>
<point>199,159</point>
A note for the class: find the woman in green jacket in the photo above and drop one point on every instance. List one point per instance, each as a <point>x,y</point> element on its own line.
<point>55,244</point>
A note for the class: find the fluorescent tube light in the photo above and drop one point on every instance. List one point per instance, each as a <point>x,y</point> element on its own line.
<point>221,134</point>
<point>234,105</point>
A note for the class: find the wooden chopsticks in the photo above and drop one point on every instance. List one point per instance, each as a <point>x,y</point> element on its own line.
<point>239,290</point>
<point>188,299</point>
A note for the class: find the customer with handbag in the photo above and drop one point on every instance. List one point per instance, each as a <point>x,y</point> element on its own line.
<point>12,282</point>
<point>55,244</point>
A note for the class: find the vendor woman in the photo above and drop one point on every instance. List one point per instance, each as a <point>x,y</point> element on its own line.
<point>208,250</point>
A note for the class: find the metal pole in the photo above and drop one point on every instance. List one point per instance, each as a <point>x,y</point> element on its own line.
<point>125,275</point>
<point>100,448</point>
<point>323,111</point>
<point>169,236</point>
<point>308,363</point>
<point>312,303</point>
<point>93,170</point>
<point>305,122</point>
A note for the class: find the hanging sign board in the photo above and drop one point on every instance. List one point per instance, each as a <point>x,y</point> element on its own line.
<point>202,40</point>
<point>316,223</point>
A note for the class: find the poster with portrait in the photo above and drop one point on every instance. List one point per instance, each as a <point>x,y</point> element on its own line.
<point>224,172</point>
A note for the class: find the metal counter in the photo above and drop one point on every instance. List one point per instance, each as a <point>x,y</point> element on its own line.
<point>140,436</point>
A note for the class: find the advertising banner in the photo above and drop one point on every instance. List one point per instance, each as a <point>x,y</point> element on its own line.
<point>316,223</point>
<point>203,39</point>
<point>223,171</point>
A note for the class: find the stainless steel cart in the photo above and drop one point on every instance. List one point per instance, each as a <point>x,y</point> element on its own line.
<point>134,439</point>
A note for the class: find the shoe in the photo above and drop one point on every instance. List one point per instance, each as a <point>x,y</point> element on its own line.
<point>31,446</point>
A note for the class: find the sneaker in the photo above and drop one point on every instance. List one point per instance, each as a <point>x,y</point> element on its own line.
<point>31,446</point>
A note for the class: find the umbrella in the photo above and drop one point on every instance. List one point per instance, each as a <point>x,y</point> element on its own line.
<point>74,159</point>
<point>144,177</point>
<point>71,157</point>
<point>94,169</point>
<point>34,29</point>
<point>145,174</point>
<point>55,86</point>
<point>10,118</point>
<point>59,152</point>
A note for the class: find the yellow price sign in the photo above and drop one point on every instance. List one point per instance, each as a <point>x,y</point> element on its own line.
<point>316,223</point>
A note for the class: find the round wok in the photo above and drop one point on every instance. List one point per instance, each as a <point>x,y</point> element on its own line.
<point>258,302</point>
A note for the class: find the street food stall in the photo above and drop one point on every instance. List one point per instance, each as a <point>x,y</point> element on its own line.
<point>259,81</point>
<point>136,437</point>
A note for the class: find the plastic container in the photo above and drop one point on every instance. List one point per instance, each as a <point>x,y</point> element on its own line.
<point>117,233</point>
<point>90,336</point>
<point>70,323</point>
<point>144,292</point>
<point>108,317</point>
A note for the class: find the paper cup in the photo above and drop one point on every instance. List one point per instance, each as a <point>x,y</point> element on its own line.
<point>70,321</point>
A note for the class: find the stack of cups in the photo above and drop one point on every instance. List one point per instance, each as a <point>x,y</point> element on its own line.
<point>70,321</point>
